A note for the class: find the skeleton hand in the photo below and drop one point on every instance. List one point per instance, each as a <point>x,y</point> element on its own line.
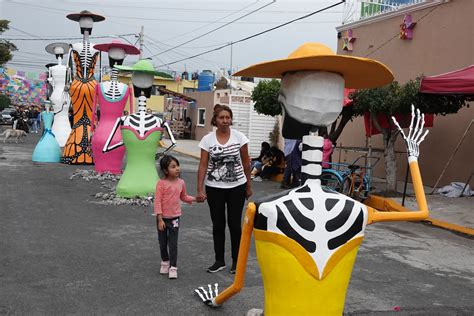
<point>208,296</point>
<point>414,139</point>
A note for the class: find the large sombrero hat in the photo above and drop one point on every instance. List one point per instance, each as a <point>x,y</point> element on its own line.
<point>77,16</point>
<point>52,47</point>
<point>129,49</point>
<point>145,66</point>
<point>358,73</point>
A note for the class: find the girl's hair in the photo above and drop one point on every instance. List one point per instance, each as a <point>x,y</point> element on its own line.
<point>165,163</point>
<point>218,108</point>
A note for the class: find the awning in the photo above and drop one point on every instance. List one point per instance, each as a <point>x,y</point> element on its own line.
<point>456,82</point>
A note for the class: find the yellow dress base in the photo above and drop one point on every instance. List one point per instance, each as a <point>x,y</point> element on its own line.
<point>291,290</point>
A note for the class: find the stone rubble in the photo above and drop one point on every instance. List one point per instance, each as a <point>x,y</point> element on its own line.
<point>108,182</point>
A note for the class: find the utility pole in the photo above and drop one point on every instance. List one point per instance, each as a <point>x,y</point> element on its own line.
<point>230,75</point>
<point>141,40</point>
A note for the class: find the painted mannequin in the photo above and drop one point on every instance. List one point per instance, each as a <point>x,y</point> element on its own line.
<point>47,149</point>
<point>307,238</point>
<point>111,96</point>
<point>141,133</point>
<point>77,149</point>
<point>60,99</point>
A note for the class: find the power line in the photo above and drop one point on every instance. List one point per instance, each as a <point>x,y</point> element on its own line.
<point>65,38</point>
<point>218,28</point>
<point>258,34</point>
<point>194,30</point>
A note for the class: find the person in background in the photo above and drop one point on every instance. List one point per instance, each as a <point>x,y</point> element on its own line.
<point>257,162</point>
<point>327,151</point>
<point>272,164</point>
<point>224,168</point>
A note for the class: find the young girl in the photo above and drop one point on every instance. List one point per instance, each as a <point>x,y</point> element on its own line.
<point>167,209</point>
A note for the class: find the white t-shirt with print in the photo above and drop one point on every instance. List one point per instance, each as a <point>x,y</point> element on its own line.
<point>224,169</point>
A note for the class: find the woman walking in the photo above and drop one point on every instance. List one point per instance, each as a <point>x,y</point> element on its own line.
<point>224,169</point>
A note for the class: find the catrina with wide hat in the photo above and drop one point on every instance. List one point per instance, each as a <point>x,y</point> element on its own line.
<point>313,79</point>
<point>307,238</point>
<point>110,98</point>
<point>57,78</point>
<point>141,133</point>
<point>83,58</point>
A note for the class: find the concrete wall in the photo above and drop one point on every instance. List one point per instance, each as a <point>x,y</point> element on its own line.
<point>442,42</point>
<point>206,100</point>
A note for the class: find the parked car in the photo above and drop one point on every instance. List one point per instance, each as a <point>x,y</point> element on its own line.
<point>6,117</point>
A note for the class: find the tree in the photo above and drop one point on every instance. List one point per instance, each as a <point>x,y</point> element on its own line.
<point>265,96</point>
<point>6,47</point>
<point>4,101</point>
<point>394,99</point>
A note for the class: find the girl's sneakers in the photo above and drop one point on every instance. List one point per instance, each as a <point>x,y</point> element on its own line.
<point>165,267</point>
<point>173,273</point>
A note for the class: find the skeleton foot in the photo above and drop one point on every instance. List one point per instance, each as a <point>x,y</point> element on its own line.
<point>208,295</point>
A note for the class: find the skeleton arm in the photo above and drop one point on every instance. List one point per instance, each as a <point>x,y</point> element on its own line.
<point>170,133</point>
<point>95,99</point>
<point>215,299</point>
<point>107,146</point>
<point>392,211</point>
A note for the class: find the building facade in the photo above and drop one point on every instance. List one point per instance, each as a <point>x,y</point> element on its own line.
<point>442,41</point>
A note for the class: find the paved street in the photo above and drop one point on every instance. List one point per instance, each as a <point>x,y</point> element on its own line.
<point>65,252</point>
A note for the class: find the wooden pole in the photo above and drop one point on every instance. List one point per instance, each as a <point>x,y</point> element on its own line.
<point>452,156</point>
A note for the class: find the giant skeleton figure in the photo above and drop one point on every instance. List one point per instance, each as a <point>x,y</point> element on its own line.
<point>307,238</point>
<point>59,98</point>
<point>141,133</point>
<point>111,96</point>
<point>77,149</point>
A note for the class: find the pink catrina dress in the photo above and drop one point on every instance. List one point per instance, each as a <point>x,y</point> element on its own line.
<point>110,111</point>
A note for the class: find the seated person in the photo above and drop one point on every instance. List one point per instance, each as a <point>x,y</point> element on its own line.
<point>257,162</point>
<point>272,162</point>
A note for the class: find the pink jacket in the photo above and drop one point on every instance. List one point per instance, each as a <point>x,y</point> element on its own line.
<point>168,195</point>
<point>327,150</point>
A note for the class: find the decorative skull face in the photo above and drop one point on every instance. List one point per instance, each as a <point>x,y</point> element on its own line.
<point>216,150</point>
<point>117,53</point>
<point>310,98</point>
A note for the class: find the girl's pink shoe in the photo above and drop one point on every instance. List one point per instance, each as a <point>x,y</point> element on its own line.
<point>165,267</point>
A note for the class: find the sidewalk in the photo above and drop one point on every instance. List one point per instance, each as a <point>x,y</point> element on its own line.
<point>185,146</point>
<point>455,214</point>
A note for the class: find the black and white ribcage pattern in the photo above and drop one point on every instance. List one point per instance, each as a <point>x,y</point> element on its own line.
<point>113,90</point>
<point>141,121</point>
<point>320,221</point>
<point>86,55</point>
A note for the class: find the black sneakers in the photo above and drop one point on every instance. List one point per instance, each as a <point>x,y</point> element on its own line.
<point>234,267</point>
<point>216,267</point>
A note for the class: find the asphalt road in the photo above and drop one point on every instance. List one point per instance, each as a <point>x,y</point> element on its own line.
<point>62,251</point>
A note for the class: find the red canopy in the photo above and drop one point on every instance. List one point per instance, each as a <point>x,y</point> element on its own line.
<point>455,82</point>
<point>347,101</point>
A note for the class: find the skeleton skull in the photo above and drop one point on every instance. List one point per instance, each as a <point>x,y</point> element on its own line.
<point>313,98</point>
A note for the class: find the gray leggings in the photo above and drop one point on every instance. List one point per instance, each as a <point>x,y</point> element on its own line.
<point>168,239</point>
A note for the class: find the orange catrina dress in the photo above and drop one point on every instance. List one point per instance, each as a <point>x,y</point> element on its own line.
<point>77,150</point>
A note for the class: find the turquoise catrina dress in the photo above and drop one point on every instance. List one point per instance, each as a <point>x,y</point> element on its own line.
<point>47,149</point>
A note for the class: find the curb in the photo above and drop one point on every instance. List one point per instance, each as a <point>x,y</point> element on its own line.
<point>448,226</point>
<point>186,153</point>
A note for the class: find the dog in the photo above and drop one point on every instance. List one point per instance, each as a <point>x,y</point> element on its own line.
<point>13,133</point>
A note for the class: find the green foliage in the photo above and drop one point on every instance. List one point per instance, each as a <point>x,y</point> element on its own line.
<point>393,99</point>
<point>6,47</point>
<point>4,101</point>
<point>265,96</point>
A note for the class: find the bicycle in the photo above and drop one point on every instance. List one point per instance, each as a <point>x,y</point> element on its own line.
<point>352,181</point>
